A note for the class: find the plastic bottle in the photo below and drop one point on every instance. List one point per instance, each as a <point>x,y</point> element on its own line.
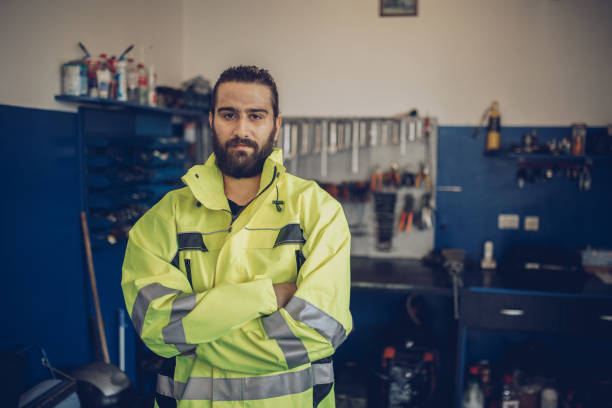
<point>510,395</point>
<point>549,398</point>
<point>152,94</point>
<point>104,77</point>
<point>121,78</point>
<point>142,85</point>
<point>132,81</point>
<point>112,89</point>
<point>473,396</point>
<point>92,77</point>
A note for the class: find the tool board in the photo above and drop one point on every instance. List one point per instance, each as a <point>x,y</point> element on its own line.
<point>337,151</point>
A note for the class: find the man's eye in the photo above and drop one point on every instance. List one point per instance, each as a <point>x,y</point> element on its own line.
<point>228,115</point>
<point>255,116</point>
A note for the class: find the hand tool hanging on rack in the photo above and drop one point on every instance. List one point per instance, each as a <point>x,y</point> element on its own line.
<point>402,136</point>
<point>424,219</point>
<point>340,136</point>
<point>405,223</point>
<point>355,148</point>
<point>384,208</point>
<point>333,138</point>
<point>324,145</point>
<point>305,137</point>
<point>423,176</point>
<point>316,149</point>
<point>392,177</point>
<point>376,183</point>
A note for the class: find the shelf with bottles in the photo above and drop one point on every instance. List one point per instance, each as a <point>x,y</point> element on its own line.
<point>113,103</point>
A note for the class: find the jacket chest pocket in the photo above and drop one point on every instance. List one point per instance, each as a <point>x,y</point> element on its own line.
<point>277,251</point>
<point>196,258</point>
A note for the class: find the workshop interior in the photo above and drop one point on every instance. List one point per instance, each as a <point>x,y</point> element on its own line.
<point>469,144</point>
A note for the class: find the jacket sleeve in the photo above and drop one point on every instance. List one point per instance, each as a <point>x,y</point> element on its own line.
<point>166,313</point>
<point>315,321</point>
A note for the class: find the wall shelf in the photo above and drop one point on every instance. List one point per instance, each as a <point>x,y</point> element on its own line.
<point>112,103</point>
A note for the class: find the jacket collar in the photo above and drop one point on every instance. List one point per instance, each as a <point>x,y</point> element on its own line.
<point>206,181</point>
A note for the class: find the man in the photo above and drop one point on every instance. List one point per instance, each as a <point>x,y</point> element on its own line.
<point>242,279</point>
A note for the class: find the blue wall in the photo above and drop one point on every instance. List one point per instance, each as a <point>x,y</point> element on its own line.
<point>47,297</point>
<point>569,218</point>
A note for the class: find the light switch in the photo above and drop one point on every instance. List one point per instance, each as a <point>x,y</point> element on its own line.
<point>508,221</point>
<point>532,223</point>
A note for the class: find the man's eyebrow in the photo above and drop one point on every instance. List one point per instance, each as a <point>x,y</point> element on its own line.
<point>227,108</point>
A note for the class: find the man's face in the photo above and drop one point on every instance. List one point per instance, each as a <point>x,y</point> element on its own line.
<point>243,127</point>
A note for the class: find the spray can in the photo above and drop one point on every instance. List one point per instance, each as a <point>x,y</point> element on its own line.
<point>121,75</point>
<point>493,129</point>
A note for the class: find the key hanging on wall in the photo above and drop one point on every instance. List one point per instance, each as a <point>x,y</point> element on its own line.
<point>384,133</point>
<point>340,136</point>
<point>347,135</point>
<point>317,138</point>
<point>355,148</point>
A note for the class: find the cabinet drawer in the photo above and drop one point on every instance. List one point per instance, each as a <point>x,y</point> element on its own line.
<point>590,316</point>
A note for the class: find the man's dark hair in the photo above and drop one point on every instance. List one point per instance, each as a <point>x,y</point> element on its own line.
<point>249,74</point>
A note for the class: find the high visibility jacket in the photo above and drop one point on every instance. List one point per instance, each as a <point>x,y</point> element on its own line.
<point>198,286</point>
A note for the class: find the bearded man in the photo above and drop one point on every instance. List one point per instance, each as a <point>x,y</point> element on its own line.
<point>241,279</point>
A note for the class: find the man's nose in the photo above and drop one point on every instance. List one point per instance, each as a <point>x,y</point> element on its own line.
<point>242,128</point>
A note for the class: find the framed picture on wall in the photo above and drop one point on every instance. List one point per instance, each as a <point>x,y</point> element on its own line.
<point>393,8</point>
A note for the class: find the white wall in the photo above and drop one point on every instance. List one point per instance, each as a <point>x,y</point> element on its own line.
<point>548,62</point>
<point>37,36</point>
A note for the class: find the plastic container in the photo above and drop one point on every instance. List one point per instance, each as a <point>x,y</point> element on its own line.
<point>121,78</point>
<point>473,396</point>
<point>71,78</point>
<point>103,75</point>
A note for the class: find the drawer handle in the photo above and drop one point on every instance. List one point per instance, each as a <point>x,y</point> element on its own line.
<point>512,312</point>
<point>607,318</point>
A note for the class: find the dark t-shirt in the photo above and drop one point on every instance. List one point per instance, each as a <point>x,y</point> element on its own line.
<point>235,208</point>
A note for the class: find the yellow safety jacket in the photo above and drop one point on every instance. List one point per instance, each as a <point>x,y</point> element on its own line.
<point>198,286</point>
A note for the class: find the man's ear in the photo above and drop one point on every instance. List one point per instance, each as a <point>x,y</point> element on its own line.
<point>279,123</point>
<point>210,119</point>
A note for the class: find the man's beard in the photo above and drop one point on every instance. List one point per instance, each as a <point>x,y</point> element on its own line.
<point>240,163</point>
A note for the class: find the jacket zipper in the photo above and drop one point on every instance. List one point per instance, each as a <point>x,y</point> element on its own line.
<point>253,199</point>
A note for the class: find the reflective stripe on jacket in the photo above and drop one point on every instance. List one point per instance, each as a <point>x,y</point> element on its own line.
<point>198,287</point>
